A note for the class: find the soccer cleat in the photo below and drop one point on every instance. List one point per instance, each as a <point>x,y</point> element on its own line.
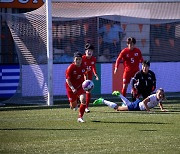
<point>76,108</point>
<point>116,93</point>
<point>123,104</point>
<point>87,110</point>
<point>98,101</point>
<point>80,120</point>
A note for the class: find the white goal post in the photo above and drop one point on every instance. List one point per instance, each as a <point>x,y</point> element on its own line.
<point>49,52</point>
<point>45,38</point>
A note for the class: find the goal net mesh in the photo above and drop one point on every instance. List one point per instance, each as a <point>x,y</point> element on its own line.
<point>156,27</point>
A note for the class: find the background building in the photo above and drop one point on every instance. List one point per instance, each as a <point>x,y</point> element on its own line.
<point>8,54</point>
<point>24,41</point>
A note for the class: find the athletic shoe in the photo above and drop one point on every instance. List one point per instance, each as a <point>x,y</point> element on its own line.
<point>116,93</point>
<point>123,104</point>
<point>87,110</point>
<point>76,108</point>
<point>80,120</point>
<point>98,101</point>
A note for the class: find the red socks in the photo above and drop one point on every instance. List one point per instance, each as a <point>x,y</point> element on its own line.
<point>81,110</point>
<point>124,92</point>
<point>88,98</point>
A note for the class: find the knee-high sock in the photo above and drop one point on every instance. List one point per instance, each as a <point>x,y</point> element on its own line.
<point>125,100</point>
<point>110,104</point>
<point>81,110</point>
<point>124,92</point>
<point>88,98</point>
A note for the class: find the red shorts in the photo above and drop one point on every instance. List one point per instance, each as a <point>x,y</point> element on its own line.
<point>127,75</point>
<point>74,96</point>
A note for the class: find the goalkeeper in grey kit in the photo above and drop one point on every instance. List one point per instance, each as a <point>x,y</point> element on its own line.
<point>144,82</point>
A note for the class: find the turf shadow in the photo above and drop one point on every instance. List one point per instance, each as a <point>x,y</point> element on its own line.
<point>35,107</point>
<point>132,122</point>
<point>140,112</point>
<point>148,130</point>
<point>46,129</point>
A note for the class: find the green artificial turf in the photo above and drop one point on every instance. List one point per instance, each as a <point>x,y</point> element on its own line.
<point>56,130</point>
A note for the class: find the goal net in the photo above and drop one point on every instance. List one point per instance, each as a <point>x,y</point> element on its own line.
<point>155,25</point>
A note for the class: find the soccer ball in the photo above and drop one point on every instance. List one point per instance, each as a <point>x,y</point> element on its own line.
<point>87,85</point>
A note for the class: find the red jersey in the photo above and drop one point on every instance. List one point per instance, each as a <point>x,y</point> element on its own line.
<point>131,59</point>
<point>76,75</point>
<point>90,65</point>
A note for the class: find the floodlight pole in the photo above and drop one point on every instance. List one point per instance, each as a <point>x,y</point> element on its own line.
<point>49,51</point>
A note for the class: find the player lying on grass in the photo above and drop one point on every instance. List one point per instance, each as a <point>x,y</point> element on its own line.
<point>148,103</point>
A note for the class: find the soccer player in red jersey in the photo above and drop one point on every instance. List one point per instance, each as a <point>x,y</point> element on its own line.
<point>131,57</point>
<point>75,75</point>
<point>90,62</point>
